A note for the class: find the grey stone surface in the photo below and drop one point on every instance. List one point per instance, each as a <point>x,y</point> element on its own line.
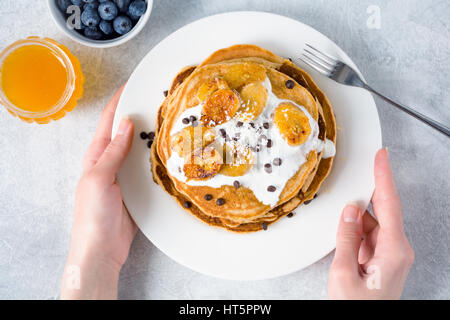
<point>408,58</point>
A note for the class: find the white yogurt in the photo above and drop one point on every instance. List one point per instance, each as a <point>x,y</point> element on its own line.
<point>328,148</point>
<point>257,179</point>
<point>195,111</point>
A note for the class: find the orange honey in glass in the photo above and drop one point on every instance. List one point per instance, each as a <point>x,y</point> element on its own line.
<point>40,80</point>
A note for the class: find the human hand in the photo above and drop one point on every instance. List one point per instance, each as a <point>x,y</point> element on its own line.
<point>102,230</point>
<point>377,266</point>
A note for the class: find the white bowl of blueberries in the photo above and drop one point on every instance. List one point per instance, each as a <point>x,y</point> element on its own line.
<point>101,23</point>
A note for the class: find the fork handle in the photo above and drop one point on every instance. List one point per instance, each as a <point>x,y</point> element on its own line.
<point>436,125</point>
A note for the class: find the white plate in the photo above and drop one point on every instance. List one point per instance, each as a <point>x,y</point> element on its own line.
<point>289,244</point>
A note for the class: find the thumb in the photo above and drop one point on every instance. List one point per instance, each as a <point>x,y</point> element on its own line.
<point>115,153</point>
<point>348,239</point>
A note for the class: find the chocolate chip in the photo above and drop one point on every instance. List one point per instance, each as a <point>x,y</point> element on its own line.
<point>269,143</point>
<point>258,148</point>
<point>208,197</point>
<point>195,123</point>
<point>290,84</point>
<point>277,161</point>
<point>235,139</point>
<point>307,202</point>
<point>271,188</point>
<point>266,125</point>
<point>268,167</point>
<point>192,118</point>
<point>239,124</point>
<point>236,184</point>
<point>166,92</point>
<point>264,226</point>
<point>151,135</point>
<point>223,133</point>
<point>252,124</point>
<point>187,204</point>
<point>185,120</point>
<point>220,201</point>
<point>144,135</point>
<point>290,214</point>
<point>149,143</point>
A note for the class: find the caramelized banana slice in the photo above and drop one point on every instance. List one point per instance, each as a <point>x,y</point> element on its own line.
<point>292,123</point>
<point>238,160</point>
<point>208,88</point>
<point>220,107</point>
<point>191,138</point>
<point>240,74</point>
<point>203,163</point>
<point>254,98</point>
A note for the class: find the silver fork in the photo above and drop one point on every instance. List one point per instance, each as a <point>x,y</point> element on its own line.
<point>342,73</point>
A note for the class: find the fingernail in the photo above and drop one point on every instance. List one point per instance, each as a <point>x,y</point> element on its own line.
<point>351,213</point>
<point>124,125</point>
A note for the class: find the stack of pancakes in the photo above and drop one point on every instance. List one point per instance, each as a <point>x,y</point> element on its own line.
<point>226,86</point>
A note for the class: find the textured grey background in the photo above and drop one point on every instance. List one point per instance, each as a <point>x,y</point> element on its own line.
<point>407,58</point>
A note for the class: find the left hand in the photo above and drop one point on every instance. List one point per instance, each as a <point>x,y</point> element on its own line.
<point>102,230</point>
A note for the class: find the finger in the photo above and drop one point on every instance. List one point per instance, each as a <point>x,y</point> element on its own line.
<point>115,153</point>
<point>102,136</point>
<point>348,239</point>
<point>369,223</point>
<point>368,246</point>
<point>385,201</point>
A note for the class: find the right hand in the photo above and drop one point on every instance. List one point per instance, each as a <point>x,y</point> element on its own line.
<point>377,266</point>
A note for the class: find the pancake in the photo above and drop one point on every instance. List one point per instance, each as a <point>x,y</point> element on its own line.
<point>217,90</point>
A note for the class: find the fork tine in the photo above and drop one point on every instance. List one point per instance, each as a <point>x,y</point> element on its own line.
<point>320,60</point>
<point>332,59</point>
<point>314,65</point>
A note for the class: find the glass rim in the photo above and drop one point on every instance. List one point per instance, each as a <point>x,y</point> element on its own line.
<point>64,59</point>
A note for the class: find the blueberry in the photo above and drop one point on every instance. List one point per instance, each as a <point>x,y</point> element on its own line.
<point>107,10</point>
<point>122,5</point>
<point>64,4</point>
<point>137,9</point>
<point>88,1</point>
<point>90,18</point>
<point>106,27</point>
<point>92,33</point>
<point>77,2</point>
<point>91,6</point>
<point>122,24</point>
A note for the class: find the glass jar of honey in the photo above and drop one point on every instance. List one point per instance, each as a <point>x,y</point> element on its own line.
<point>40,80</point>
